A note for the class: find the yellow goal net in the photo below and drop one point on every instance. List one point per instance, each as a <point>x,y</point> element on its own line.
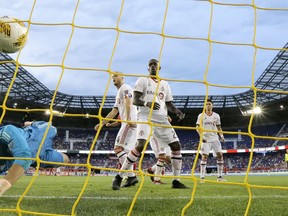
<point>205,47</point>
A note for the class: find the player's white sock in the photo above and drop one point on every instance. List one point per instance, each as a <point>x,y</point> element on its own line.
<point>159,167</point>
<point>203,164</point>
<point>176,161</point>
<point>220,167</point>
<point>122,156</point>
<point>153,168</point>
<point>130,160</point>
<point>131,174</point>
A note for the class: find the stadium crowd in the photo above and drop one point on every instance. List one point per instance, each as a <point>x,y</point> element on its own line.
<point>236,162</point>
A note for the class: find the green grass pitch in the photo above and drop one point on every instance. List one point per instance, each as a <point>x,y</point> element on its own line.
<point>56,195</point>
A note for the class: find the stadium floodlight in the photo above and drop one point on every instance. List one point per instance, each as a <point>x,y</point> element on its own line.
<point>257,110</point>
<point>55,112</point>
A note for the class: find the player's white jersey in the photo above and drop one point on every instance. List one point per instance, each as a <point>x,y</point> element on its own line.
<point>125,91</point>
<point>148,86</point>
<point>209,122</point>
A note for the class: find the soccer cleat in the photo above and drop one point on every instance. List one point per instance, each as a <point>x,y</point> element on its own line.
<point>178,185</point>
<point>202,180</point>
<point>158,182</point>
<point>116,183</point>
<point>221,179</point>
<point>131,181</point>
<point>149,170</point>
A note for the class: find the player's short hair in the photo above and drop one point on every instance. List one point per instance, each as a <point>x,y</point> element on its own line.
<point>209,100</point>
<point>153,60</point>
<point>118,74</point>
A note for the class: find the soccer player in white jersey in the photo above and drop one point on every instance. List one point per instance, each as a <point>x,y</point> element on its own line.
<point>126,137</point>
<point>144,92</point>
<point>210,140</point>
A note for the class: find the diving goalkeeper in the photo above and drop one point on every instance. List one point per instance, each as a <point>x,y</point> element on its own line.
<point>24,143</point>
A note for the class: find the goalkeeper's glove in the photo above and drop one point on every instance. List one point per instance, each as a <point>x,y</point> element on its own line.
<point>4,186</point>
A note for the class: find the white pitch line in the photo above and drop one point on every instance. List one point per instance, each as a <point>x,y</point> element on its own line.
<point>144,198</point>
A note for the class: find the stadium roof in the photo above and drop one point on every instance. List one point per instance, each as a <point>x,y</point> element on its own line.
<point>27,88</point>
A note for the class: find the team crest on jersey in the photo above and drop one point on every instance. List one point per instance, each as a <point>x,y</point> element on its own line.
<point>118,139</point>
<point>162,88</point>
<point>128,95</point>
<point>118,100</point>
<point>141,133</point>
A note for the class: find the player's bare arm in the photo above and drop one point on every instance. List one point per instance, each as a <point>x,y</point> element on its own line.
<point>198,131</point>
<point>28,123</point>
<point>110,115</point>
<point>171,108</point>
<point>138,102</point>
<point>219,129</point>
<point>13,174</point>
<point>169,118</point>
<point>128,105</point>
<point>113,124</point>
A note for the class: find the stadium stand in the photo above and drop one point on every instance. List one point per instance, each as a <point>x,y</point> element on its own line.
<point>76,135</point>
<point>28,92</point>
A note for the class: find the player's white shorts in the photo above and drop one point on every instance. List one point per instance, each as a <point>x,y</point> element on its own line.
<point>215,145</point>
<point>163,135</point>
<point>159,149</point>
<point>126,137</point>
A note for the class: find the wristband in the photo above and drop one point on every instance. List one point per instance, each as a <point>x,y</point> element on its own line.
<point>145,103</point>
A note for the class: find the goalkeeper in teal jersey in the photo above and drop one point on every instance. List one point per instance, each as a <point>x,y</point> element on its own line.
<point>24,143</point>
